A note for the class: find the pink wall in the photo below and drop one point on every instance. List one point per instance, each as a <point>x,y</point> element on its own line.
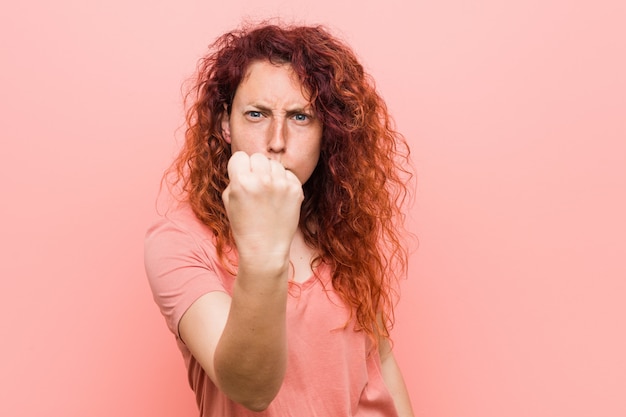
<point>516,114</point>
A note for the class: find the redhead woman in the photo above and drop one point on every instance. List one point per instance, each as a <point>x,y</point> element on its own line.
<point>277,266</point>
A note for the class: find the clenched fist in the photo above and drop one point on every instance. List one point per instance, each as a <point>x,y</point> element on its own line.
<point>263,202</point>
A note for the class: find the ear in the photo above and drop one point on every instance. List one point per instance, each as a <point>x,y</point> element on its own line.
<point>226,126</point>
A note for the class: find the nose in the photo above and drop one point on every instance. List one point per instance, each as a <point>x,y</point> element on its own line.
<point>277,136</point>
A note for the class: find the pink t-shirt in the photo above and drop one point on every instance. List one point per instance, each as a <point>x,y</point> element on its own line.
<point>329,371</point>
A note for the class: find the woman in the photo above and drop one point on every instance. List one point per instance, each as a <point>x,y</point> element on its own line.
<point>276,271</point>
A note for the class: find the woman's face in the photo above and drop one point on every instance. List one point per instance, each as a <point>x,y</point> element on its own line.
<point>271,114</point>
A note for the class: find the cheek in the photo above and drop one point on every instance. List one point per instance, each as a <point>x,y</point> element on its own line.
<point>312,159</point>
<point>317,147</point>
<point>243,139</point>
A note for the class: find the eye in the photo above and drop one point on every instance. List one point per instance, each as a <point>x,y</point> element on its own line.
<point>254,114</point>
<point>301,117</point>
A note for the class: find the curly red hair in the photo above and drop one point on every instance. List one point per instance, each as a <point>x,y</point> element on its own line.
<point>351,212</point>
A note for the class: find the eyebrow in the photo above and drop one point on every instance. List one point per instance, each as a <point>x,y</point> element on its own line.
<point>309,110</point>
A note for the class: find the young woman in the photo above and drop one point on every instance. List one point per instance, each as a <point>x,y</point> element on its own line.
<point>276,269</point>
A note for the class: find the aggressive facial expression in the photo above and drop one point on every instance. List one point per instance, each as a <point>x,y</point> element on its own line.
<point>271,114</point>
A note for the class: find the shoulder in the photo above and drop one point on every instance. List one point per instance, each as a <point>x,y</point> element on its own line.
<point>181,219</point>
<point>179,230</point>
<point>179,241</point>
<point>181,263</point>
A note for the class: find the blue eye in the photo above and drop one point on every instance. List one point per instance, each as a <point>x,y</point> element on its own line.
<point>254,114</point>
<point>301,117</point>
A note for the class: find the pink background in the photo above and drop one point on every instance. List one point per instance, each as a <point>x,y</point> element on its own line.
<point>515,111</point>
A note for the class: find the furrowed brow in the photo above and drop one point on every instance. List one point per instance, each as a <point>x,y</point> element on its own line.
<point>304,110</point>
<point>261,108</point>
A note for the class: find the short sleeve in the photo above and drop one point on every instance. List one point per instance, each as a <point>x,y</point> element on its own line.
<point>180,267</point>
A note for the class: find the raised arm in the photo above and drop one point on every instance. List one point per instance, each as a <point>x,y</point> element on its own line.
<point>241,342</point>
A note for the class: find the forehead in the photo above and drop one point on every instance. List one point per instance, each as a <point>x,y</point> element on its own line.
<point>272,81</point>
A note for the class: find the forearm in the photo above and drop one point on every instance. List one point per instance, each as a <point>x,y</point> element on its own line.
<point>262,202</point>
<point>251,356</point>
<point>395,384</point>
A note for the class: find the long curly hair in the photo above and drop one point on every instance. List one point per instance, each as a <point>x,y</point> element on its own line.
<point>352,209</point>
